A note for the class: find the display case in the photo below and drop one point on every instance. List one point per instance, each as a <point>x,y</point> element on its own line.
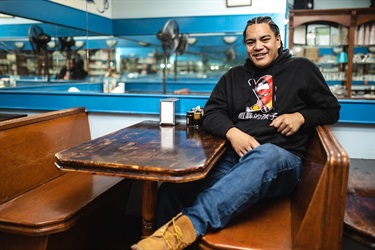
<point>342,43</point>
<point>4,64</point>
<point>100,61</point>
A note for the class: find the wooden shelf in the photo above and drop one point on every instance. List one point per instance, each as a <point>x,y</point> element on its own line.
<point>350,18</point>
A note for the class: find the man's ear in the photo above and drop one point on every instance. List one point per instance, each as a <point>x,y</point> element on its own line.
<point>278,39</point>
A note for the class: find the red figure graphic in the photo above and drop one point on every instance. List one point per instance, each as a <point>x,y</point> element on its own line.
<point>263,90</point>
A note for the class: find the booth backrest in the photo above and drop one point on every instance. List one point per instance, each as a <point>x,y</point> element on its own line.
<point>318,205</point>
<point>22,166</point>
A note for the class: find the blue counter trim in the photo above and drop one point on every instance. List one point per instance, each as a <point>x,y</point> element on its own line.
<point>109,103</point>
<point>352,111</point>
<point>357,111</point>
<point>57,87</point>
<point>136,86</point>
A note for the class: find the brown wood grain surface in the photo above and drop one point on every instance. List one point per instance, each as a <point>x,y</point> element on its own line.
<point>360,203</point>
<point>147,151</point>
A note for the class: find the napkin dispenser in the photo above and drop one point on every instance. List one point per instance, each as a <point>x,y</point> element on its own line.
<point>168,111</point>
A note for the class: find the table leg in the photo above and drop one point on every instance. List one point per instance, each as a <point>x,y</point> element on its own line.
<point>149,199</point>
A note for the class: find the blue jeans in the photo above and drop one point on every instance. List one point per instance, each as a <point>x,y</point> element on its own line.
<point>232,186</point>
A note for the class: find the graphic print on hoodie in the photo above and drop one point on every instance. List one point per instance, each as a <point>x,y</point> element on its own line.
<point>263,91</point>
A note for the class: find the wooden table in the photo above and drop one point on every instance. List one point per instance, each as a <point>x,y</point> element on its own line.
<point>149,152</point>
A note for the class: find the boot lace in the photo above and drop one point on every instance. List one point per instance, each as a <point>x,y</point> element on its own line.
<point>177,234</point>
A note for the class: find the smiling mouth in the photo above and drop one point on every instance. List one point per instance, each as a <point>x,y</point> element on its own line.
<point>259,55</point>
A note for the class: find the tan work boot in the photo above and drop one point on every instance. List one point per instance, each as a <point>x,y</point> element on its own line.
<point>176,234</point>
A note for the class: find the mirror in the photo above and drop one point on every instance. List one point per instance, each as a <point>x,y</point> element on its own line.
<point>136,57</point>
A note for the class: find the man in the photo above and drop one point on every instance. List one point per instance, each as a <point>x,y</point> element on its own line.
<point>73,70</point>
<point>267,109</point>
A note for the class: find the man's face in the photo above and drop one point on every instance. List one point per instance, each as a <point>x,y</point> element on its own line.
<point>69,64</point>
<point>261,44</point>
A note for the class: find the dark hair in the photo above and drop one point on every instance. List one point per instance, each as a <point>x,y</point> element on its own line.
<point>264,19</point>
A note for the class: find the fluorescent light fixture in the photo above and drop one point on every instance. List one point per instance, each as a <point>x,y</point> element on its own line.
<point>19,45</point>
<point>192,40</point>
<point>143,44</point>
<point>5,16</point>
<point>79,44</point>
<point>229,39</point>
<point>111,43</point>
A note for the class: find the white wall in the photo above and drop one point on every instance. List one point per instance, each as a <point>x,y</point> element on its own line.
<point>357,140</point>
<point>104,123</point>
<point>98,8</point>
<point>119,9</point>
<point>169,8</point>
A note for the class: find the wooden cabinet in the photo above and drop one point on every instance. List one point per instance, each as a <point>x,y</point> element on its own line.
<point>347,21</point>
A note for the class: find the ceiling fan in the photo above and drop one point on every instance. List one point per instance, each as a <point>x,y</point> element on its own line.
<point>38,41</point>
<point>169,38</point>
<point>66,44</point>
<point>180,50</point>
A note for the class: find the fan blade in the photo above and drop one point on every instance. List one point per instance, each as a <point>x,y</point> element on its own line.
<point>38,39</point>
<point>169,36</point>
<point>66,43</point>
<point>182,44</point>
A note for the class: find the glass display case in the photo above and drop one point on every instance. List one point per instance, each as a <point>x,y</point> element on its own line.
<point>342,44</point>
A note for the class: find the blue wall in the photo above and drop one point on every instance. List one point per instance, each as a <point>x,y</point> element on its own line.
<point>139,100</point>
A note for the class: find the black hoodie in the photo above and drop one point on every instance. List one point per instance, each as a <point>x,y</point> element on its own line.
<point>249,98</point>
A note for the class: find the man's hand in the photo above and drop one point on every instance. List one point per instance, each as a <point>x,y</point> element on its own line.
<point>241,142</point>
<point>288,124</point>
